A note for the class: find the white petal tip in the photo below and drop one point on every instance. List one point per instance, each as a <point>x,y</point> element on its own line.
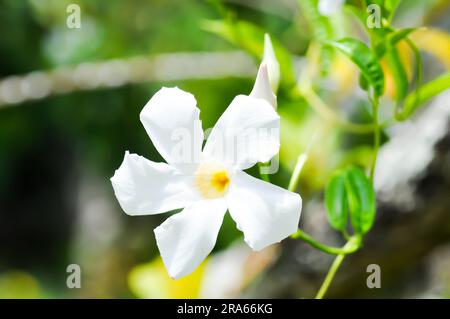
<point>270,58</point>
<point>174,275</point>
<point>262,88</point>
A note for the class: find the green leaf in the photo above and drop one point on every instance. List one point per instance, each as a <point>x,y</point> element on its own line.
<point>399,74</point>
<point>418,72</point>
<point>392,39</point>
<point>250,38</point>
<point>336,201</point>
<point>365,59</point>
<point>361,200</point>
<point>388,48</point>
<point>396,37</point>
<point>424,94</point>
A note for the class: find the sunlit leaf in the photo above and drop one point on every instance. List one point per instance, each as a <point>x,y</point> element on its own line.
<point>336,201</point>
<point>418,71</point>
<point>429,90</point>
<point>361,200</point>
<point>398,74</point>
<point>365,59</point>
<point>388,48</point>
<point>393,39</point>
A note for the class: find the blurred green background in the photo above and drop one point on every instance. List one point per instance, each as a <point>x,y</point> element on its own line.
<point>59,147</point>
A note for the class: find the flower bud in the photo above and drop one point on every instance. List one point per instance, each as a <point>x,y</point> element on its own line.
<point>273,67</point>
<point>262,88</point>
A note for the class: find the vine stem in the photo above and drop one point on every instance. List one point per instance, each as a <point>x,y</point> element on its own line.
<point>340,258</point>
<point>353,244</point>
<point>300,234</point>
<point>330,276</point>
<point>301,160</point>
<point>297,170</point>
<point>347,249</point>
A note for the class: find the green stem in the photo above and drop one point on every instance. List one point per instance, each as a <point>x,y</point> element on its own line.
<point>340,258</point>
<point>330,276</point>
<point>348,249</point>
<point>300,234</point>
<point>353,244</point>
<point>295,177</point>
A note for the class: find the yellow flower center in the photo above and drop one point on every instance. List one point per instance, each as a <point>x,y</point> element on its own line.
<point>212,180</point>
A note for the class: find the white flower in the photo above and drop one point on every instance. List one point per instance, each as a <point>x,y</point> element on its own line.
<point>209,184</point>
<point>273,67</point>
<point>330,7</point>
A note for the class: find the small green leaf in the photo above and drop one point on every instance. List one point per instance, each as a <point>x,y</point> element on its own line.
<point>388,48</point>
<point>397,36</point>
<point>418,72</point>
<point>417,98</point>
<point>365,59</point>
<point>398,73</point>
<point>336,202</point>
<point>361,200</point>
<point>392,39</point>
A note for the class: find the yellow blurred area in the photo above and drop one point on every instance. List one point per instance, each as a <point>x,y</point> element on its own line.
<point>151,280</point>
<point>406,57</point>
<point>436,42</point>
<point>19,285</point>
<point>343,72</point>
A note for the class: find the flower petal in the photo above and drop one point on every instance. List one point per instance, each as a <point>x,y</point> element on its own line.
<point>246,133</point>
<point>264,212</point>
<point>144,187</point>
<point>185,239</point>
<point>171,119</point>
